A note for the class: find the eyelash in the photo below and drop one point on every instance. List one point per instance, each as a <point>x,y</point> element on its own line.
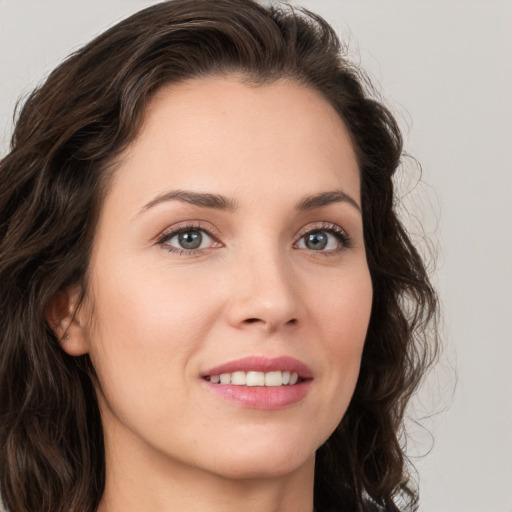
<point>344,240</point>
<point>168,235</point>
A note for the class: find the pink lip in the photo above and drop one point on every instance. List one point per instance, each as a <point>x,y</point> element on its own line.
<point>261,397</point>
<point>263,364</point>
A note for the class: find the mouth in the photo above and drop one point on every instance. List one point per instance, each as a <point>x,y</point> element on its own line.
<point>254,378</point>
<point>260,382</point>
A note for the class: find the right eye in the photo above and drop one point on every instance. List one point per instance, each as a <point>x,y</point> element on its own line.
<point>188,240</point>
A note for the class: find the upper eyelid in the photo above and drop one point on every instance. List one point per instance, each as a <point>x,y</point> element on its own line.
<point>180,227</point>
<point>319,226</point>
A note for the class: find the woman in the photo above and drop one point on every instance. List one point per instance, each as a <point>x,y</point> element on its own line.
<point>208,300</point>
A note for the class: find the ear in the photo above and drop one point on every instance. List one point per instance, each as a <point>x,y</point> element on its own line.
<point>63,318</point>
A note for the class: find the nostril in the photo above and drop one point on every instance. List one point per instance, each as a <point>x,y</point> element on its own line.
<point>292,321</point>
<point>270,324</point>
<point>252,320</point>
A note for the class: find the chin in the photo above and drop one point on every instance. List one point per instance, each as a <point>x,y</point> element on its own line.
<point>269,457</point>
<point>258,467</point>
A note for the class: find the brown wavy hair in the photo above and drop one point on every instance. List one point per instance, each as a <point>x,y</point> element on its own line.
<point>52,182</point>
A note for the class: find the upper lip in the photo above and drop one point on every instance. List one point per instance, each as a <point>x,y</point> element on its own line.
<point>262,364</point>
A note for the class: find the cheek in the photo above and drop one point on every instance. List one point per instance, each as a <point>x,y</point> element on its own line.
<point>146,332</point>
<point>343,318</point>
<point>344,311</point>
<point>146,306</point>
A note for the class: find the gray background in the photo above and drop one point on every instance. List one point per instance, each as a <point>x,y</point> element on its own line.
<point>445,69</point>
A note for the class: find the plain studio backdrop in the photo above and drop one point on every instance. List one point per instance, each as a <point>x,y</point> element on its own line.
<point>445,70</point>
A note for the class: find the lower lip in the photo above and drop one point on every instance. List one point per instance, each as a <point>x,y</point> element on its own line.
<point>262,397</point>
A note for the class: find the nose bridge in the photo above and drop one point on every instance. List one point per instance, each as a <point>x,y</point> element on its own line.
<point>264,291</point>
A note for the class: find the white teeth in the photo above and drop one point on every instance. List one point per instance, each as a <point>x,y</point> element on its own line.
<point>255,379</point>
<point>269,379</point>
<point>238,378</point>
<point>273,379</point>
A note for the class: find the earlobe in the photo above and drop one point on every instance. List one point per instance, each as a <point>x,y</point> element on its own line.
<point>61,315</point>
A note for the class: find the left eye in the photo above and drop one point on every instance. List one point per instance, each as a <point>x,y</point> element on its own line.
<point>320,240</point>
<point>189,239</point>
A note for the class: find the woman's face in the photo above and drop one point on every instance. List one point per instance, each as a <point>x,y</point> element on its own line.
<point>229,249</point>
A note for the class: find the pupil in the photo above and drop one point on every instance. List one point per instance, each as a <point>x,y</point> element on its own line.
<point>316,241</point>
<point>190,239</point>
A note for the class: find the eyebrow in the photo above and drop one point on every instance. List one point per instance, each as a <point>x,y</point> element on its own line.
<point>205,200</point>
<point>218,202</point>
<point>325,199</point>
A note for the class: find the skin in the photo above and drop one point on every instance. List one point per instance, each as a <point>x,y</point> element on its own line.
<point>156,316</point>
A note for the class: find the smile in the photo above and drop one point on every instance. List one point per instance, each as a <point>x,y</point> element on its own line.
<point>254,378</point>
<point>257,382</point>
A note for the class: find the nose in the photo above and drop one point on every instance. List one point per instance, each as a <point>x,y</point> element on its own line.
<point>264,294</point>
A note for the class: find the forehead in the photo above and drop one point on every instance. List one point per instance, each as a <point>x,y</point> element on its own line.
<point>223,135</point>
